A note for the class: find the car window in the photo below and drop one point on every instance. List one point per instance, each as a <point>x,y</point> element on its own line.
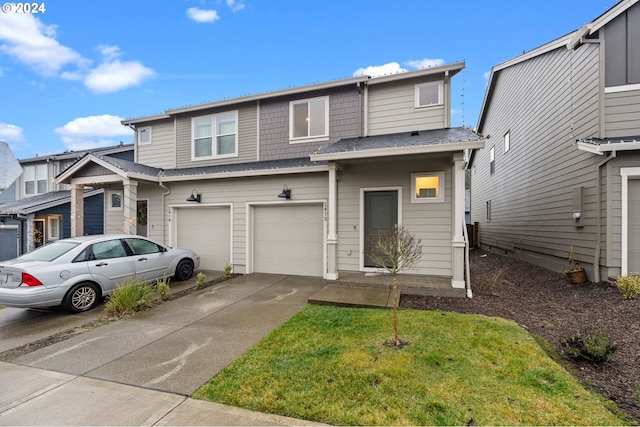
<point>49,252</point>
<point>85,255</point>
<point>108,249</point>
<point>142,247</point>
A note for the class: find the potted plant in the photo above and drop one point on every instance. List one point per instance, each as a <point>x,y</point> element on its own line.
<point>576,275</point>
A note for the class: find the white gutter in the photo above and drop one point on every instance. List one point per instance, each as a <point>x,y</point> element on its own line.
<point>242,174</point>
<point>398,151</point>
<point>612,146</point>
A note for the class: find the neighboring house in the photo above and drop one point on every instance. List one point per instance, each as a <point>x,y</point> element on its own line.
<point>29,223</point>
<point>35,210</point>
<point>296,181</point>
<point>561,167</point>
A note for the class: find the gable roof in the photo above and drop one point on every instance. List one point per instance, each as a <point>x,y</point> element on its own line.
<point>70,155</point>
<point>42,201</point>
<point>568,41</point>
<point>406,143</point>
<point>450,69</point>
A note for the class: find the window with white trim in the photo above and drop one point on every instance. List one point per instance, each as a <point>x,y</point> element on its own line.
<point>428,94</point>
<point>35,179</point>
<point>309,119</point>
<point>144,135</point>
<point>215,136</point>
<point>53,228</point>
<point>115,201</point>
<point>507,141</point>
<point>492,160</point>
<point>427,187</point>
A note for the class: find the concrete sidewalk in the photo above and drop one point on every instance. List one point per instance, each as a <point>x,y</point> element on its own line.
<point>140,370</point>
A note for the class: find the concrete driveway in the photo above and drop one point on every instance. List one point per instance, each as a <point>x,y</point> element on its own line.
<point>173,348</point>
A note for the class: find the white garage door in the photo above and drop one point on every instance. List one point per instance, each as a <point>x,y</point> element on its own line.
<point>633,240</point>
<point>207,231</point>
<point>288,240</point>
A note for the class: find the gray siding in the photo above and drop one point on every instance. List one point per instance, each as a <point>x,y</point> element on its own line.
<point>431,222</point>
<point>392,109</point>
<point>345,120</point>
<point>239,192</point>
<point>247,137</point>
<point>546,103</point>
<point>8,194</point>
<point>622,113</point>
<point>161,152</point>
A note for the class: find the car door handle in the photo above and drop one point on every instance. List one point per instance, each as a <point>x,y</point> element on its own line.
<point>101,264</point>
<point>142,259</point>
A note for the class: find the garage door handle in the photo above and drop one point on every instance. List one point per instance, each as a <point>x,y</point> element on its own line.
<point>101,264</point>
<point>142,259</point>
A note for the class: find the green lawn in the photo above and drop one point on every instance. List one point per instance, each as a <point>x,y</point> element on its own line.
<point>329,364</point>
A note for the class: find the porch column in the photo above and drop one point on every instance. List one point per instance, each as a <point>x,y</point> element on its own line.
<point>129,204</point>
<point>458,243</point>
<point>332,238</point>
<point>77,210</point>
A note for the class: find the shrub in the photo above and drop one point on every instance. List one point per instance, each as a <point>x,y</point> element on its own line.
<point>227,271</point>
<point>201,279</point>
<point>130,297</point>
<point>629,285</point>
<point>163,289</point>
<point>591,345</point>
<point>489,283</point>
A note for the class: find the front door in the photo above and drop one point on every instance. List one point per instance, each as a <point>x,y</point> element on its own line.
<point>380,215</point>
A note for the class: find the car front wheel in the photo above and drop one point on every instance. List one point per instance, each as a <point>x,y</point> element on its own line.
<point>81,297</point>
<point>184,270</point>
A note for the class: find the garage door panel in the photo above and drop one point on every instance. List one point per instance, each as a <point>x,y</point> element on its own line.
<point>207,231</point>
<point>288,240</point>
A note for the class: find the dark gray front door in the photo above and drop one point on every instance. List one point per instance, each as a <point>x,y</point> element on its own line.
<point>380,214</point>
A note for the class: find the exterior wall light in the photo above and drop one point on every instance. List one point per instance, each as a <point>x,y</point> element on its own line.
<point>194,197</point>
<point>286,193</point>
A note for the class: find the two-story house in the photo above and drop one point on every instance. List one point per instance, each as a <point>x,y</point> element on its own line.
<point>295,181</point>
<point>36,209</point>
<point>561,168</point>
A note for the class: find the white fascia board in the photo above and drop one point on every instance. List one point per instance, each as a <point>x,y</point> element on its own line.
<point>611,14</point>
<point>451,68</point>
<point>66,176</point>
<point>603,148</point>
<point>59,202</point>
<point>267,95</point>
<point>398,151</point>
<point>244,174</point>
<point>145,119</point>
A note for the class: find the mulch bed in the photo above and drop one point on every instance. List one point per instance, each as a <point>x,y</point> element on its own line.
<point>547,305</point>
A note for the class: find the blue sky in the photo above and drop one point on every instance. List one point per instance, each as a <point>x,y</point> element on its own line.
<point>70,73</point>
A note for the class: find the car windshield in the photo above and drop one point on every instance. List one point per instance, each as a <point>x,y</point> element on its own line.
<point>49,252</point>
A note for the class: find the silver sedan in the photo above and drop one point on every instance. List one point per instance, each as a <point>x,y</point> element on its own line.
<point>78,272</point>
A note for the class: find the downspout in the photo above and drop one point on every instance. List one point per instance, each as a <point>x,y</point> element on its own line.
<point>466,261</point>
<point>596,257</point>
<point>165,194</point>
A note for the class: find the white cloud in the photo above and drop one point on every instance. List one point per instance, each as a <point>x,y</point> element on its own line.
<point>380,70</point>
<point>114,76</point>
<point>235,5</point>
<point>486,75</point>
<point>202,15</point>
<point>425,63</point>
<point>10,133</point>
<point>29,41</point>
<point>90,132</point>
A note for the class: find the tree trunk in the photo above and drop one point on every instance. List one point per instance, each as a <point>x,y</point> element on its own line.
<point>395,311</point>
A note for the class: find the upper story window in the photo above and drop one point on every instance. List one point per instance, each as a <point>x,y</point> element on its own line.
<point>215,136</point>
<point>427,187</point>
<point>309,119</point>
<point>428,94</point>
<point>144,135</point>
<point>35,179</point>
<point>492,160</point>
<point>507,142</point>
<point>622,60</point>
